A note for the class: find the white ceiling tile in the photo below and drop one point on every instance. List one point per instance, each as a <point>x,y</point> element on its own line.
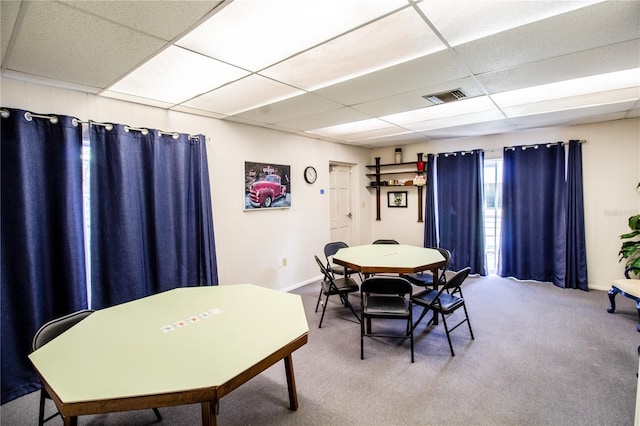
<point>256,34</point>
<point>587,28</point>
<point>590,62</point>
<point>363,51</point>
<point>135,99</point>
<point>624,98</point>
<point>426,71</point>
<point>394,140</point>
<point>176,75</point>
<point>196,111</point>
<point>325,119</point>
<point>490,127</point>
<point>248,93</point>
<point>442,111</point>
<point>414,99</point>
<point>371,124</point>
<point>461,21</point>
<point>583,115</point>
<point>8,15</point>
<point>163,19</point>
<point>453,121</point>
<point>66,44</point>
<point>571,88</point>
<point>289,109</point>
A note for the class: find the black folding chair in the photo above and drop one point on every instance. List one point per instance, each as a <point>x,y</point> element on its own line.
<point>386,297</point>
<point>335,286</point>
<point>444,302</point>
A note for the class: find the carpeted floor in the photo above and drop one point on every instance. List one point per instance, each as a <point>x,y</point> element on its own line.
<point>541,356</point>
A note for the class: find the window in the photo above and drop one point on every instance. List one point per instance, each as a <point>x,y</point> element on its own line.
<point>492,211</point>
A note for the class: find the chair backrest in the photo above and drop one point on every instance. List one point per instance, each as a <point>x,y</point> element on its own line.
<point>56,327</point>
<point>332,248</point>
<point>447,257</point>
<point>383,241</point>
<point>453,284</point>
<point>385,284</point>
<point>323,269</point>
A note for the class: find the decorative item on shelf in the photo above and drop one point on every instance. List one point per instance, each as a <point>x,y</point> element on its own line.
<point>398,157</point>
<point>419,180</point>
<point>420,163</point>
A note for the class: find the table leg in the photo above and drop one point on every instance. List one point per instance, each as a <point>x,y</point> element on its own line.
<point>612,299</point>
<point>209,413</point>
<point>291,383</point>
<point>69,420</point>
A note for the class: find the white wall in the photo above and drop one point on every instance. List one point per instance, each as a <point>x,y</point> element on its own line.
<point>611,167</point>
<point>250,243</point>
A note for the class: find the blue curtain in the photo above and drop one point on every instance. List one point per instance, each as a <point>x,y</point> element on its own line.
<point>576,276</point>
<point>430,230</point>
<point>461,209</point>
<point>533,214</point>
<point>42,258</point>
<point>151,219</point>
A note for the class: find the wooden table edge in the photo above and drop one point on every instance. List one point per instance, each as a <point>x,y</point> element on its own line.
<point>208,396</point>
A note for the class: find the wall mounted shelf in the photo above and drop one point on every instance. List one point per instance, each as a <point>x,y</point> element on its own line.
<point>407,170</point>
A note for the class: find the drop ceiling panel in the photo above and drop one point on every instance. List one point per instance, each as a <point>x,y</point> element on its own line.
<point>325,119</point>
<point>8,15</point>
<point>395,140</point>
<point>359,52</point>
<point>461,21</point>
<point>163,19</point>
<point>585,115</point>
<point>375,134</point>
<point>618,100</point>
<point>600,60</point>
<point>421,72</point>
<point>458,120</point>
<point>599,25</point>
<point>242,95</point>
<point>485,128</point>
<point>94,54</point>
<point>279,29</point>
<point>176,75</point>
<point>289,109</point>
<point>414,99</point>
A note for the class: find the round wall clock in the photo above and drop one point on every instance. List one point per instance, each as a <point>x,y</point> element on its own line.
<point>310,174</point>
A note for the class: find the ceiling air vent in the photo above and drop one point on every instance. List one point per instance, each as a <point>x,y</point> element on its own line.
<point>444,97</point>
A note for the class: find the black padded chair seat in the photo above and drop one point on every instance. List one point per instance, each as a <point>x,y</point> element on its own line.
<point>387,305</point>
<point>342,285</point>
<point>447,303</point>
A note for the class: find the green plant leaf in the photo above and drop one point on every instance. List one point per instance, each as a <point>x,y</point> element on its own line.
<point>629,235</point>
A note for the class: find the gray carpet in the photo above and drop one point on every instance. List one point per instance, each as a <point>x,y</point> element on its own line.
<point>541,356</point>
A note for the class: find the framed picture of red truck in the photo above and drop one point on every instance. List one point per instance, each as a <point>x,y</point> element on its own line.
<point>266,186</point>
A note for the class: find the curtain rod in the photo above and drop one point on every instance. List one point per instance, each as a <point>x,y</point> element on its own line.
<point>535,146</point>
<point>29,116</point>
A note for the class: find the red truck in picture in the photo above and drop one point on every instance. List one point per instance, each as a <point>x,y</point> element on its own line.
<point>263,192</point>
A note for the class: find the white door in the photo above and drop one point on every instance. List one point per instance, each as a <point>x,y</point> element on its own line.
<point>340,203</point>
